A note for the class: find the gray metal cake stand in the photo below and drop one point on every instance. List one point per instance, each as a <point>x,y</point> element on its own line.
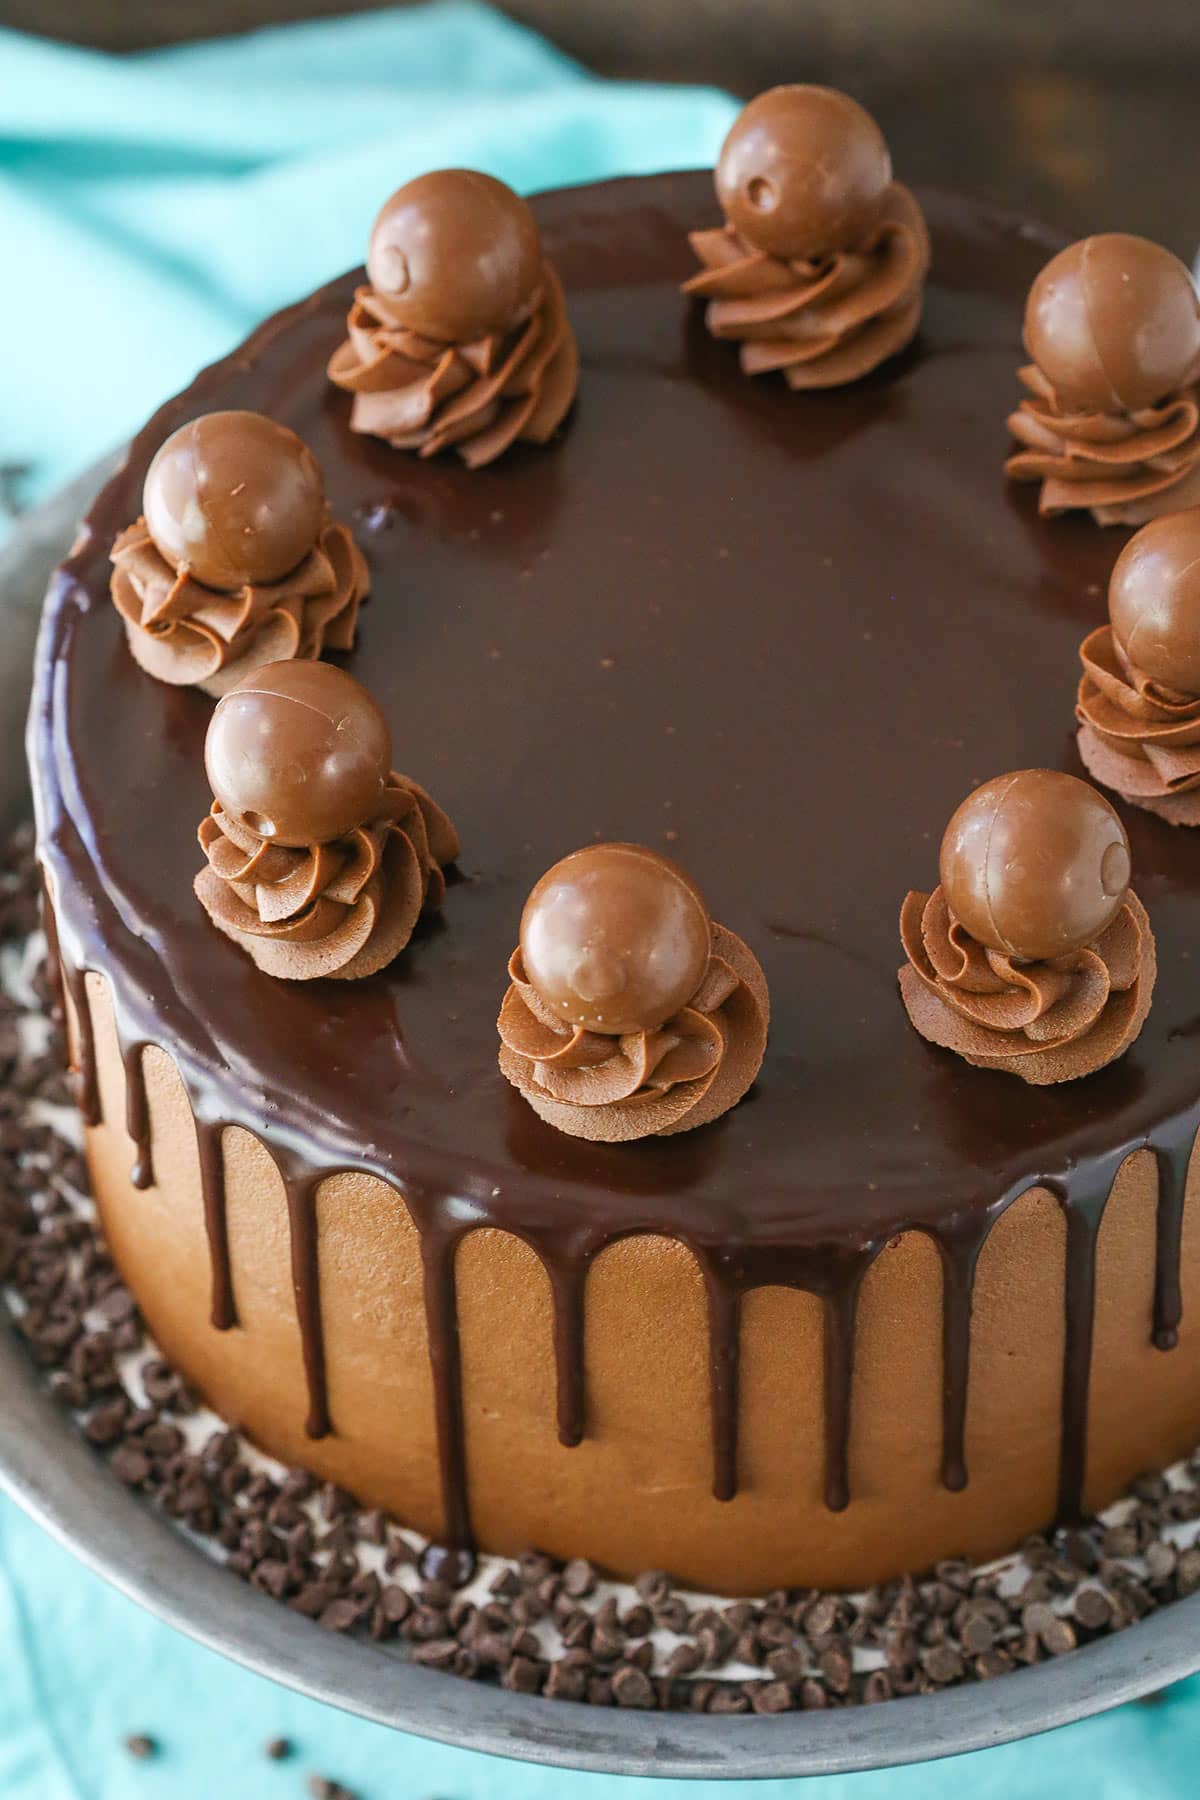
<point>48,1467</point>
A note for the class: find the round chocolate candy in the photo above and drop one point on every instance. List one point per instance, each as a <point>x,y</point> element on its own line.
<point>298,753</point>
<point>1114,324</point>
<point>615,938</point>
<point>457,255</point>
<point>803,172</point>
<point>1035,864</point>
<point>235,499</point>
<point>1154,601</point>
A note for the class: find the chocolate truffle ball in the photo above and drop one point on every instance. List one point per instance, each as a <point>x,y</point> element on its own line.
<point>1154,601</point>
<point>803,172</point>
<point>1113,323</point>
<point>615,938</point>
<point>1035,864</point>
<point>457,255</point>
<point>298,752</point>
<point>235,499</point>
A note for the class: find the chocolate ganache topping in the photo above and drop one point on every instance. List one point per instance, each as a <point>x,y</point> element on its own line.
<point>1112,326</point>
<point>1032,956</point>
<point>321,858</point>
<point>819,270</point>
<point>235,561</point>
<point>629,1014</point>
<point>461,337</point>
<point>1139,696</point>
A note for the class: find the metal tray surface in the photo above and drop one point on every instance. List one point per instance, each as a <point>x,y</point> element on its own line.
<point>51,1471</point>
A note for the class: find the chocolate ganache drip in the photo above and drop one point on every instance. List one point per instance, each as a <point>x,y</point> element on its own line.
<point>235,561</point>
<point>629,1014</point>
<point>1112,421</point>
<point>1032,956</point>
<point>321,858</point>
<point>819,270</point>
<point>461,337</point>
<point>1139,696</point>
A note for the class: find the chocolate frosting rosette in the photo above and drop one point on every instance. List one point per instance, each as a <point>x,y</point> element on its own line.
<point>1111,422</point>
<point>1032,955</point>
<point>819,271</point>
<point>629,1013</point>
<point>460,339</point>
<point>321,858</point>
<point>236,561</point>
<point>1139,696</point>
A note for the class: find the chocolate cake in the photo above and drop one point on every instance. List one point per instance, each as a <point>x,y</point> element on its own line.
<point>891,1307</point>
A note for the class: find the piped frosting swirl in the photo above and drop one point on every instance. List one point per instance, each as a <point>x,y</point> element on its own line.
<point>236,561</point>
<point>629,1014</point>
<point>1048,1020</point>
<point>460,339</point>
<point>819,269</point>
<point>1032,955</point>
<point>820,322</point>
<point>1124,468</point>
<point>340,910</point>
<point>190,635</point>
<point>1110,421</point>
<point>648,1083</point>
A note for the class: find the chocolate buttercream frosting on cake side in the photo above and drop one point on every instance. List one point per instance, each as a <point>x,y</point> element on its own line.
<point>629,1013</point>
<point>1139,696</point>
<point>1111,422</point>
<point>461,338</point>
<point>1032,956</point>
<point>321,858</point>
<point>236,560</point>
<point>819,270</point>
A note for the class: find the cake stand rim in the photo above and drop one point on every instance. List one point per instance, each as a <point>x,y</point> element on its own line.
<point>50,1470</point>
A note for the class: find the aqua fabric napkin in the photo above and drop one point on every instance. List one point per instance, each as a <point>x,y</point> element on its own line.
<point>151,211</point>
<point>154,208</point>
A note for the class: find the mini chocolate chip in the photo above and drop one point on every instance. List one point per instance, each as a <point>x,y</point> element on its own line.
<point>437,1653</point>
<point>523,1676</point>
<point>728,1699</point>
<point>632,1687</point>
<point>771,1697</point>
<point>942,1664</point>
<point>977,1635</point>
<point>652,1585</point>
<point>578,1578</point>
<point>684,1660</point>
<point>1092,1609</point>
<point>1058,1636</point>
<point>788,1663</point>
<point>139,1745</point>
<point>278,1749</point>
<point>130,1466</point>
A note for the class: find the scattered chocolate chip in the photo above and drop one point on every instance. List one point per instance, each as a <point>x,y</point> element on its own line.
<point>278,1749</point>
<point>631,1686</point>
<point>578,1578</point>
<point>771,1697</point>
<point>140,1746</point>
<point>942,1664</point>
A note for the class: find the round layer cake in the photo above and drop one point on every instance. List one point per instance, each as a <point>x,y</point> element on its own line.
<point>892,1307</point>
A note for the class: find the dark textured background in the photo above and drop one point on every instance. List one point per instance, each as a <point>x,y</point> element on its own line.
<point>1085,112</point>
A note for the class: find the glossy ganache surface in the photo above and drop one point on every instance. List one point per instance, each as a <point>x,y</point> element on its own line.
<point>779,637</point>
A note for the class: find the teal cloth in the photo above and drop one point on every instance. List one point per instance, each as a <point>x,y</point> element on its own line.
<point>154,208</point>
<point>151,210</point>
